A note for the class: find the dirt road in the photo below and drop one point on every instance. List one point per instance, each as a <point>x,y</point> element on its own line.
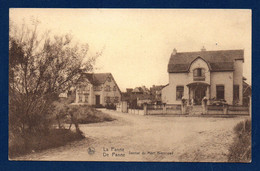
<point>148,138</point>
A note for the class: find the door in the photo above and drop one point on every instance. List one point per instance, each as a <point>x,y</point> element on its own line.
<point>97,99</point>
<point>200,92</point>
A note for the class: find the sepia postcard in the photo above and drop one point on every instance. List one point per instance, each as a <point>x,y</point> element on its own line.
<point>145,85</point>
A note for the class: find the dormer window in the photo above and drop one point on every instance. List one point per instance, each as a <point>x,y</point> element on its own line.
<point>199,74</point>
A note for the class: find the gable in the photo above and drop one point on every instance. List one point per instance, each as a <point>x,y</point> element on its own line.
<point>217,60</point>
<point>95,79</point>
<point>199,63</point>
<point>98,79</point>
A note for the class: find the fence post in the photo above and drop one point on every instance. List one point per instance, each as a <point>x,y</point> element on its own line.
<point>145,109</point>
<point>225,109</point>
<point>204,106</point>
<point>164,108</point>
<point>183,106</point>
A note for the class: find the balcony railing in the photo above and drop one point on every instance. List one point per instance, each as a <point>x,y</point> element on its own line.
<point>199,78</point>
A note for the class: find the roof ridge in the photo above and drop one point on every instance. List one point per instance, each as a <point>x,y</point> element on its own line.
<point>211,51</point>
<point>97,73</point>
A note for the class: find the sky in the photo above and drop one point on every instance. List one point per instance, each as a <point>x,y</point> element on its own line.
<point>136,44</point>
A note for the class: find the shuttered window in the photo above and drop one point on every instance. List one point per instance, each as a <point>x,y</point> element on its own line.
<point>220,92</point>
<point>179,92</point>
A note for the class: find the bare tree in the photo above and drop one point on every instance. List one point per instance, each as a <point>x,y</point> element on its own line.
<point>40,68</point>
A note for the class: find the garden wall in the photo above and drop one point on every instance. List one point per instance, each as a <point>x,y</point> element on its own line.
<point>227,110</point>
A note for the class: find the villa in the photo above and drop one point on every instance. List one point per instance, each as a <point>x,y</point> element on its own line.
<point>97,89</point>
<point>211,74</point>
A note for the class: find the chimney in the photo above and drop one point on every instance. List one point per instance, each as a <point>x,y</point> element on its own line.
<point>174,51</point>
<point>203,49</point>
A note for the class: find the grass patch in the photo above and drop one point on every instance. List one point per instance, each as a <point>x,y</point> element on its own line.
<point>240,150</point>
<point>19,145</point>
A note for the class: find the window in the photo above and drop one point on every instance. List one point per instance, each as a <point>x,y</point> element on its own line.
<point>107,99</point>
<point>107,88</point>
<point>97,88</point>
<point>220,92</point>
<point>236,93</point>
<point>80,88</point>
<point>116,99</point>
<point>112,99</point>
<point>86,88</point>
<point>80,97</point>
<point>86,98</point>
<point>199,74</point>
<point>109,79</point>
<point>114,88</point>
<point>179,92</point>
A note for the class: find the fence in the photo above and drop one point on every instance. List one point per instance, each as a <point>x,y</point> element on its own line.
<point>215,110</point>
<point>157,110</point>
<point>228,109</point>
<point>136,111</point>
<point>174,109</point>
<point>149,109</point>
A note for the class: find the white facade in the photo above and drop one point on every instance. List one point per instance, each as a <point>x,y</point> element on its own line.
<point>209,81</point>
<point>106,93</point>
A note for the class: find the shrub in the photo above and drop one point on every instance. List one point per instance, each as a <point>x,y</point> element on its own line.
<point>77,114</point>
<point>111,106</point>
<point>98,106</point>
<point>87,114</point>
<point>38,142</point>
<point>240,150</point>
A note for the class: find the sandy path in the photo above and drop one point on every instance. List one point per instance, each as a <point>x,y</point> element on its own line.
<point>149,138</point>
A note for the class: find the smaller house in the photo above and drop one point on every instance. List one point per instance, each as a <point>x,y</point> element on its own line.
<point>141,90</point>
<point>156,92</point>
<point>137,97</point>
<point>97,89</point>
<point>129,90</point>
<point>145,98</point>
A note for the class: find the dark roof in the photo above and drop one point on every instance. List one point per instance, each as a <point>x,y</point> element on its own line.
<point>221,60</point>
<point>144,97</point>
<point>131,97</point>
<point>156,87</point>
<point>142,89</point>
<point>96,78</point>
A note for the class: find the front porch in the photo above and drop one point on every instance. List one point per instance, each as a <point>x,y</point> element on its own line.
<point>197,91</point>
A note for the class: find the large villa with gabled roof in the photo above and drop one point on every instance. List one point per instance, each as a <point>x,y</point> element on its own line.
<point>211,74</point>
